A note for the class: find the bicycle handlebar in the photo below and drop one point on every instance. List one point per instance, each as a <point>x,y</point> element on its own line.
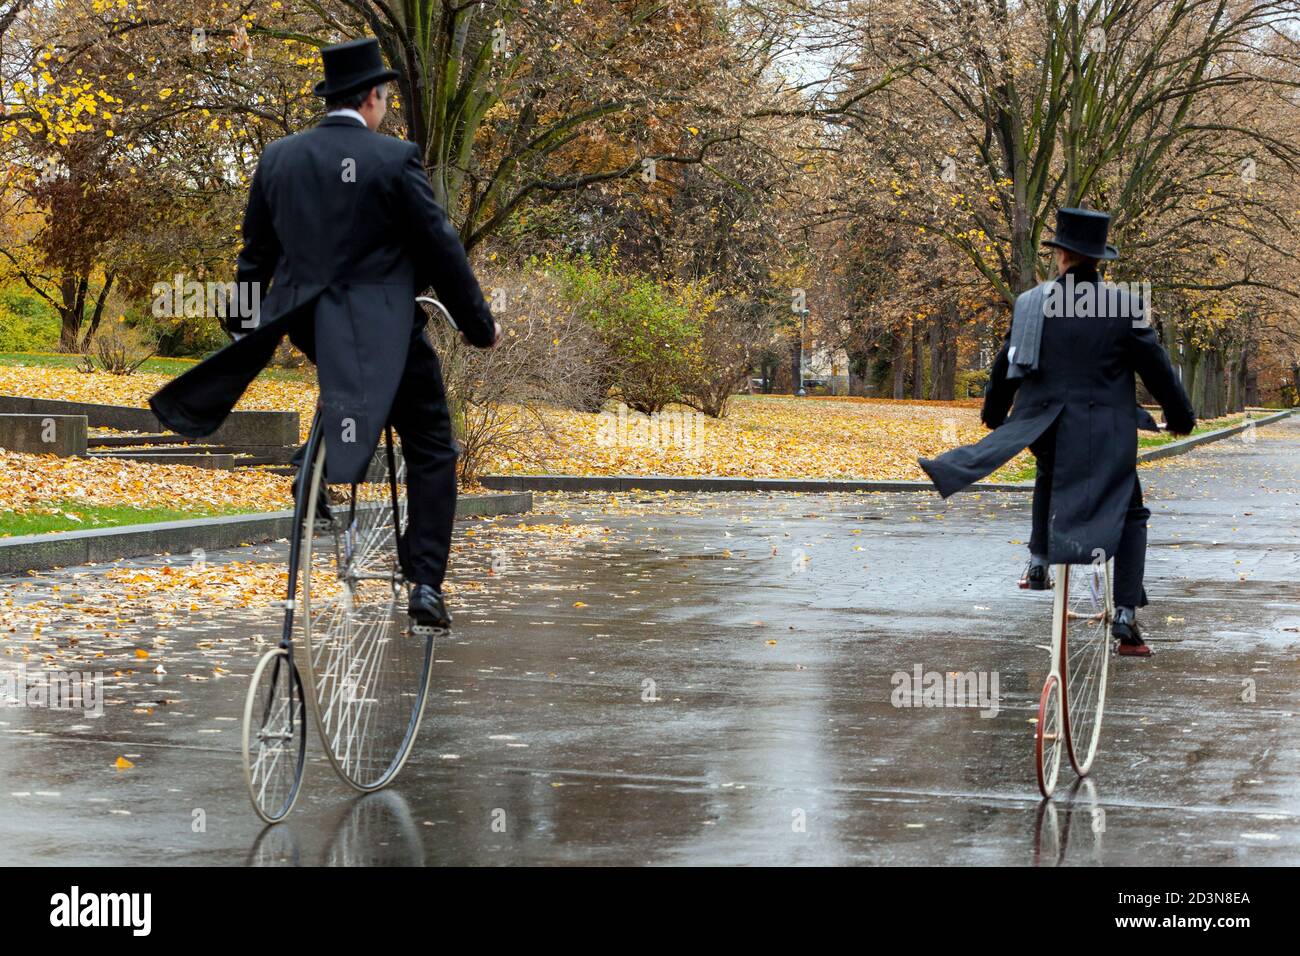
<point>430,300</point>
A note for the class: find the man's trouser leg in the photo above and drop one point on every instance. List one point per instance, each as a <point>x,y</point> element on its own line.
<point>1131,558</point>
<point>1044,450</point>
<point>422,420</point>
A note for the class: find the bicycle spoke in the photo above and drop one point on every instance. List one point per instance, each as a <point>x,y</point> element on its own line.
<point>1087,654</point>
<point>273,736</point>
<point>368,672</point>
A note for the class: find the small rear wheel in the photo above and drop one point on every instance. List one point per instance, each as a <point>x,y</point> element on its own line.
<point>1049,738</point>
<point>275,736</point>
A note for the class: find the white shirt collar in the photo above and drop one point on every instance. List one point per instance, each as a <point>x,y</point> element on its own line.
<point>348,112</point>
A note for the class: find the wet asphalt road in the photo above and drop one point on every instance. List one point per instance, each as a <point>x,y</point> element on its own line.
<point>765,630</point>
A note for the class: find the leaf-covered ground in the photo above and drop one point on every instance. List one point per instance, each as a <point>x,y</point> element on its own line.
<point>763,436</point>
<point>46,493</point>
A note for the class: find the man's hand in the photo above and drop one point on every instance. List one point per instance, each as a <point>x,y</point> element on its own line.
<point>496,335</point>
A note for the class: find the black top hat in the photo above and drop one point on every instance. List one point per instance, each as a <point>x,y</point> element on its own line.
<point>1083,231</point>
<point>351,67</point>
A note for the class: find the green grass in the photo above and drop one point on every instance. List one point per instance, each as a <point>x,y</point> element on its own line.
<point>13,524</point>
<point>1147,440</point>
<point>1020,474</point>
<point>162,366</point>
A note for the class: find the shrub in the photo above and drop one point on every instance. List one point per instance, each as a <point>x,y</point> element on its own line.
<point>184,338</point>
<point>120,349</point>
<point>548,356</point>
<point>971,384</point>
<point>27,322</point>
<point>729,344</point>
<point>650,329</point>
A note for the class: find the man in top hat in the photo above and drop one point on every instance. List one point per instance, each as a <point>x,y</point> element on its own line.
<point>1068,364</point>
<point>343,225</point>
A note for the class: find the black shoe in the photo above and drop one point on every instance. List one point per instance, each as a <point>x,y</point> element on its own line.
<point>1126,631</point>
<point>1036,578</point>
<point>427,608</point>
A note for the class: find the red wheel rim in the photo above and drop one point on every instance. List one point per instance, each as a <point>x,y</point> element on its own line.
<point>1052,686</point>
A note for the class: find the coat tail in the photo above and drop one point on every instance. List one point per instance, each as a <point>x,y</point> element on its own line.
<point>956,470</point>
<point>195,403</point>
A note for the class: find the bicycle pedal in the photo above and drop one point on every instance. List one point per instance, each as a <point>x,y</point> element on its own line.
<point>427,629</point>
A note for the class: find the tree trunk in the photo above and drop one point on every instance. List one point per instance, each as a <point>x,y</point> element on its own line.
<point>1191,361</point>
<point>69,327</point>
<point>943,354</point>
<point>1210,385</point>
<point>1242,381</point>
<point>1230,382</point>
<point>935,335</point>
<point>898,366</point>
<point>72,308</point>
<point>99,311</point>
<point>918,371</point>
<point>859,373</point>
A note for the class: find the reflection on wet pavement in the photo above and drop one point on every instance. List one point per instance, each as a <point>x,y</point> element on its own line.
<point>649,678</point>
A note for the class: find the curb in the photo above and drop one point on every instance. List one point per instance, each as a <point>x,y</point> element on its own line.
<point>616,483</point>
<point>1184,445</point>
<point>38,552</point>
<point>677,483</point>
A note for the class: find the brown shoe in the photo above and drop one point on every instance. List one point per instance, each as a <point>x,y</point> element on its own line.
<point>1126,632</point>
<point>1140,649</point>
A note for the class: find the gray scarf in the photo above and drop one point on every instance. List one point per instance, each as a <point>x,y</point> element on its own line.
<point>1027,331</point>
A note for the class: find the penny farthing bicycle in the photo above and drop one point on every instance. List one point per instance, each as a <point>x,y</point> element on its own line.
<point>1074,694</point>
<point>366,664</point>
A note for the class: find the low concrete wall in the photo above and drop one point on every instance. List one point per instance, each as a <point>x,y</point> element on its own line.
<point>240,428</point>
<point>43,434</point>
<point>72,548</point>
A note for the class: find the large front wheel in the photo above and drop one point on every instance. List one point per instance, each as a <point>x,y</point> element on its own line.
<point>367,667</point>
<point>1088,612</point>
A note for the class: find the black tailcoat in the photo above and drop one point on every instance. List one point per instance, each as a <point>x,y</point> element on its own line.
<point>343,226</point>
<point>1085,383</point>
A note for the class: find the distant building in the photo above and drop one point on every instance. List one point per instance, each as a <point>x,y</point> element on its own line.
<point>829,365</point>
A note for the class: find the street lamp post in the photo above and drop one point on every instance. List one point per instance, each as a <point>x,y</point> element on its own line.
<point>803,331</point>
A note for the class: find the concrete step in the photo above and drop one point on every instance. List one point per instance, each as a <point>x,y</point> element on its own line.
<point>215,462</point>
<point>43,433</point>
<point>105,440</point>
<point>168,443</point>
<point>169,449</point>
